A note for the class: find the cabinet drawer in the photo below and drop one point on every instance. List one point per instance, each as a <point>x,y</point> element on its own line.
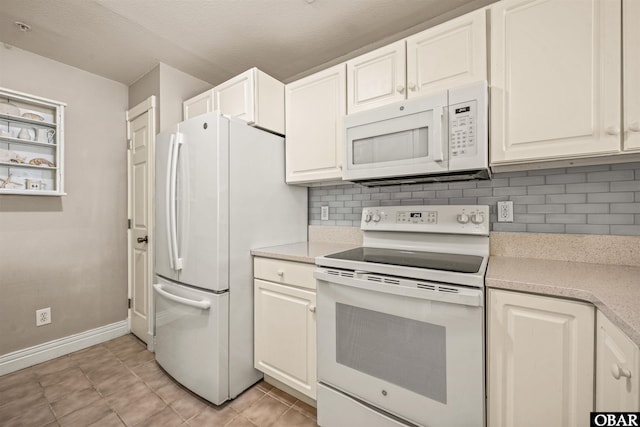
<point>287,272</point>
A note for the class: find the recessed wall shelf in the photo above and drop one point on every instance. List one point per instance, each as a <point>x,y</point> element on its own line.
<point>31,144</point>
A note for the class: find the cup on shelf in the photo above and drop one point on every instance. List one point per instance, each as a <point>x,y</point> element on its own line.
<point>45,135</point>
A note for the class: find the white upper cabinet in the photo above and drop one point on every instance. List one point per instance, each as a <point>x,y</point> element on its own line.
<point>631,55</point>
<point>376,78</point>
<point>555,79</point>
<point>617,369</point>
<point>253,96</point>
<point>448,55</point>
<point>540,360</point>
<point>316,106</point>
<point>451,54</point>
<point>199,104</point>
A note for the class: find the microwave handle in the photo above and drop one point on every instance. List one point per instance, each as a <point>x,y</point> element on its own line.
<point>440,132</point>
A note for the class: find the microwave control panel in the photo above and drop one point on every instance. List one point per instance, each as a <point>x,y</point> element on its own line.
<point>463,132</point>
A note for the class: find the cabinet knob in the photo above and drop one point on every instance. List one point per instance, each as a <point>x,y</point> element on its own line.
<point>634,126</point>
<point>400,89</point>
<point>613,130</point>
<point>412,86</point>
<point>618,372</point>
<point>312,308</point>
<point>280,273</point>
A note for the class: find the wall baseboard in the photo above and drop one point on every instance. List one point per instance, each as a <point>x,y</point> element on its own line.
<point>24,358</point>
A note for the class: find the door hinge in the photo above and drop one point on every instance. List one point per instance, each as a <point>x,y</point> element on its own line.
<point>129,303</point>
<point>128,144</point>
<point>128,224</point>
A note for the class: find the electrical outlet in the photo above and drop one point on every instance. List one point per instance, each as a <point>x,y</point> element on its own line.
<point>32,184</point>
<point>324,213</point>
<point>505,211</point>
<point>43,316</point>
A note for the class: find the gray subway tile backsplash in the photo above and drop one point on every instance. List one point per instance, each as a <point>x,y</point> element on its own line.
<point>601,199</point>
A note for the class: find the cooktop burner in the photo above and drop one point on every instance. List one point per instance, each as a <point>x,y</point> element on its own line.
<point>429,260</point>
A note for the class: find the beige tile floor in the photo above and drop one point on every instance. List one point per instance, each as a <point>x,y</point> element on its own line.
<point>118,383</point>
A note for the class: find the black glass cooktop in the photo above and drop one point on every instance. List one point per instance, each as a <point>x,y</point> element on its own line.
<point>431,260</point>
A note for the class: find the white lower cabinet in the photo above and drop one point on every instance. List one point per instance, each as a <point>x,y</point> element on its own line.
<point>285,323</point>
<point>540,360</point>
<point>617,369</point>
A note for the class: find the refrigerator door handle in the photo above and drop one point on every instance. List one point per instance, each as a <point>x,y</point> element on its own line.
<point>201,304</point>
<point>173,195</point>
<point>168,209</point>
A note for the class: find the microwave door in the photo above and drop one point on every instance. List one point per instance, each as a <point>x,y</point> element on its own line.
<point>412,143</point>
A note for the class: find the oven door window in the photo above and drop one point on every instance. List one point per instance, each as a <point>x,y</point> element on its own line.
<point>405,352</point>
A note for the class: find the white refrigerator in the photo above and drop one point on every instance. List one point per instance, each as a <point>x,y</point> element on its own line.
<point>220,191</point>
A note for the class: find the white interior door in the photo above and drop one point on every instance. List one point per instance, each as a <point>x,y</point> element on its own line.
<point>140,130</point>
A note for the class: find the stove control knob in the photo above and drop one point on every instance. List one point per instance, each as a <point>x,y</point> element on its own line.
<point>376,218</point>
<point>463,218</point>
<point>477,218</point>
<point>367,217</point>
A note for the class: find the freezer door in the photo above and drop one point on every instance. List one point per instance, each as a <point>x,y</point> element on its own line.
<point>192,339</point>
<point>163,257</point>
<point>202,212</point>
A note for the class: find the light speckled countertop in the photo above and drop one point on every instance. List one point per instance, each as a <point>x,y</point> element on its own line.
<point>613,289</point>
<point>602,270</point>
<point>303,251</point>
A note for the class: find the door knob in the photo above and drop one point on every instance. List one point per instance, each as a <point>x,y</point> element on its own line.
<point>144,239</point>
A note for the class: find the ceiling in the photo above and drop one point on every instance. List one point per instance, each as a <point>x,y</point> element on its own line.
<point>215,39</point>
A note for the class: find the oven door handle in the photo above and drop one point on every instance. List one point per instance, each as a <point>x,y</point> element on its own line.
<point>452,295</point>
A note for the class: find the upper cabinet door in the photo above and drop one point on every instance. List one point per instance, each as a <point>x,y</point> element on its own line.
<point>376,78</point>
<point>448,55</point>
<point>631,53</point>
<point>254,97</point>
<point>199,104</point>
<point>235,97</point>
<point>315,110</point>
<point>555,79</point>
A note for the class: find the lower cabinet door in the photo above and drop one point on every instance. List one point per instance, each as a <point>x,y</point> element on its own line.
<point>540,360</point>
<point>617,369</point>
<point>285,335</point>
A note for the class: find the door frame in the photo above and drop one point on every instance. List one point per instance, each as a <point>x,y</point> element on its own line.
<point>148,105</point>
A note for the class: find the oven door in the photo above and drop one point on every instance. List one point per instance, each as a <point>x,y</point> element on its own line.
<point>395,344</point>
<point>408,138</point>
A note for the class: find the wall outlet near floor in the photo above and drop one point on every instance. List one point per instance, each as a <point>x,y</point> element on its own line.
<point>505,211</point>
<point>43,316</point>
<point>324,213</point>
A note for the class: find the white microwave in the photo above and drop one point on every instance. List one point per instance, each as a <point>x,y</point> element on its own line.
<point>442,137</point>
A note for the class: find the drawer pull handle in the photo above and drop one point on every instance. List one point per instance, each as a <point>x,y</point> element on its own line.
<point>312,308</point>
<point>280,273</point>
<point>618,372</point>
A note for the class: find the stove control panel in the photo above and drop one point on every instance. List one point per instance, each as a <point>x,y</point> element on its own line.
<point>468,219</point>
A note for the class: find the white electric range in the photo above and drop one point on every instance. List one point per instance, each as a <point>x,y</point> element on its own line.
<point>401,320</point>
